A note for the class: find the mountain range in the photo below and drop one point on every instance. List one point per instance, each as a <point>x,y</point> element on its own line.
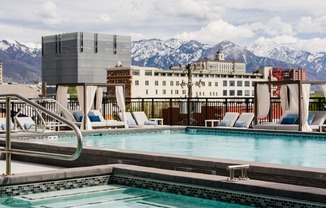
<point>22,62</point>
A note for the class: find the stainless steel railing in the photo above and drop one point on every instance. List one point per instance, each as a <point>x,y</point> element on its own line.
<point>9,151</point>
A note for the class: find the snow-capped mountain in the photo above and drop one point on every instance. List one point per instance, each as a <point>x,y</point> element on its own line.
<point>22,62</point>
<point>162,54</point>
<point>315,63</point>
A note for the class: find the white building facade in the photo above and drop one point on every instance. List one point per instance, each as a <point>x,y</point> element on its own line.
<point>148,82</point>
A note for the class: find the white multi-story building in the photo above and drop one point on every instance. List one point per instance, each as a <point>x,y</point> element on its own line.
<point>219,64</point>
<point>148,82</point>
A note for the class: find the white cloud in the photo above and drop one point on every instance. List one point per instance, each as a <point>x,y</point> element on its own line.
<point>105,18</point>
<point>217,31</point>
<point>48,13</point>
<point>273,27</point>
<point>312,25</point>
<point>312,45</point>
<point>192,9</point>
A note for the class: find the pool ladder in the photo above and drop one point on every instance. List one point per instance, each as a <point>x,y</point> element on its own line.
<point>9,151</point>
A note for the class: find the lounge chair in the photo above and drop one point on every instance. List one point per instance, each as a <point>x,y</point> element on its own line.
<point>244,120</point>
<point>97,120</point>
<point>289,122</point>
<point>130,120</point>
<point>3,125</point>
<point>142,119</point>
<point>27,123</point>
<point>228,119</point>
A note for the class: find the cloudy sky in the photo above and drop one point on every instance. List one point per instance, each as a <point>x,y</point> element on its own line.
<point>298,23</point>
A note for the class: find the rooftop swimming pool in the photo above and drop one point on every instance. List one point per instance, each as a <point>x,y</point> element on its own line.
<point>307,151</point>
<point>109,196</point>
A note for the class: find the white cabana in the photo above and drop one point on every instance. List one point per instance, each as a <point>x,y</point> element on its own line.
<point>294,97</point>
<point>90,96</point>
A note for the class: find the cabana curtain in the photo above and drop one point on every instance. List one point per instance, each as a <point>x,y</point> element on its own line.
<point>263,100</point>
<point>62,98</point>
<point>89,99</point>
<point>305,92</point>
<point>99,98</point>
<point>294,96</point>
<point>121,103</point>
<point>284,98</point>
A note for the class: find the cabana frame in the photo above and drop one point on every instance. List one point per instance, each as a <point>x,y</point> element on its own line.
<point>297,82</point>
<point>85,85</point>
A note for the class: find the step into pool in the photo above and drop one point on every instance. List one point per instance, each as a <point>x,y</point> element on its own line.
<point>111,195</point>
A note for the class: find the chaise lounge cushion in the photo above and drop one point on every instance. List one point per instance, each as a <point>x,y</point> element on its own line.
<point>224,123</point>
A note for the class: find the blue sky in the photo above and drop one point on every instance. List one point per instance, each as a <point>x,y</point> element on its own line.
<point>299,24</point>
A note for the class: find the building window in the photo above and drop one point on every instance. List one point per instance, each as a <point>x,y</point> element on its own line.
<point>164,92</point>
<point>171,83</point>
<point>225,83</point>
<point>146,82</point>
<point>177,92</point>
<point>164,83</point>
<point>171,92</point>
<point>95,42</point>
<point>136,82</point>
<point>225,93</point>
<point>232,83</point>
<point>239,83</point>
<point>177,83</point>
<point>135,72</point>
<point>232,93</point>
<point>156,91</point>
<point>114,44</point>
<point>209,84</point>
<point>183,92</point>
<point>216,84</point>
<point>239,93</point>
<point>156,83</point>
<point>148,73</point>
<point>81,42</point>
<point>247,83</point>
<point>247,92</point>
<point>146,91</point>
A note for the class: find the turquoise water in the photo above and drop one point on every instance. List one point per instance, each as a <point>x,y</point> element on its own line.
<point>109,196</point>
<point>290,150</point>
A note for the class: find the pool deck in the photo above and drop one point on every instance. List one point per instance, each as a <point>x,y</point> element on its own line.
<point>307,185</point>
<point>19,167</point>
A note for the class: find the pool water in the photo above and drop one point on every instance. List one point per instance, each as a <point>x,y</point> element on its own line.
<point>290,150</point>
<point>109,196</point>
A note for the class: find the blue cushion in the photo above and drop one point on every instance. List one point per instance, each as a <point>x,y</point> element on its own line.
<point>94,118</point>
<point>150,123</point>
<point>288,120</point>
<point>78,116</point>
<point>29,126</point>
<point>310,119</point>
<point>4,126</point>
<point>224,123</point>
<point>240,124</point>
<point>131,122</point>
<point>91,113</point>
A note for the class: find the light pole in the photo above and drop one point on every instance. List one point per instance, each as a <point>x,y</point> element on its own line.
<point>189,84</point>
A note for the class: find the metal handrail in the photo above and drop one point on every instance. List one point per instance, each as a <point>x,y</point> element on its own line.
<point>8,150</point>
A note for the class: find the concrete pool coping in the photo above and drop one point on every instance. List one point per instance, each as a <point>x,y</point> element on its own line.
<point>259,188</point>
